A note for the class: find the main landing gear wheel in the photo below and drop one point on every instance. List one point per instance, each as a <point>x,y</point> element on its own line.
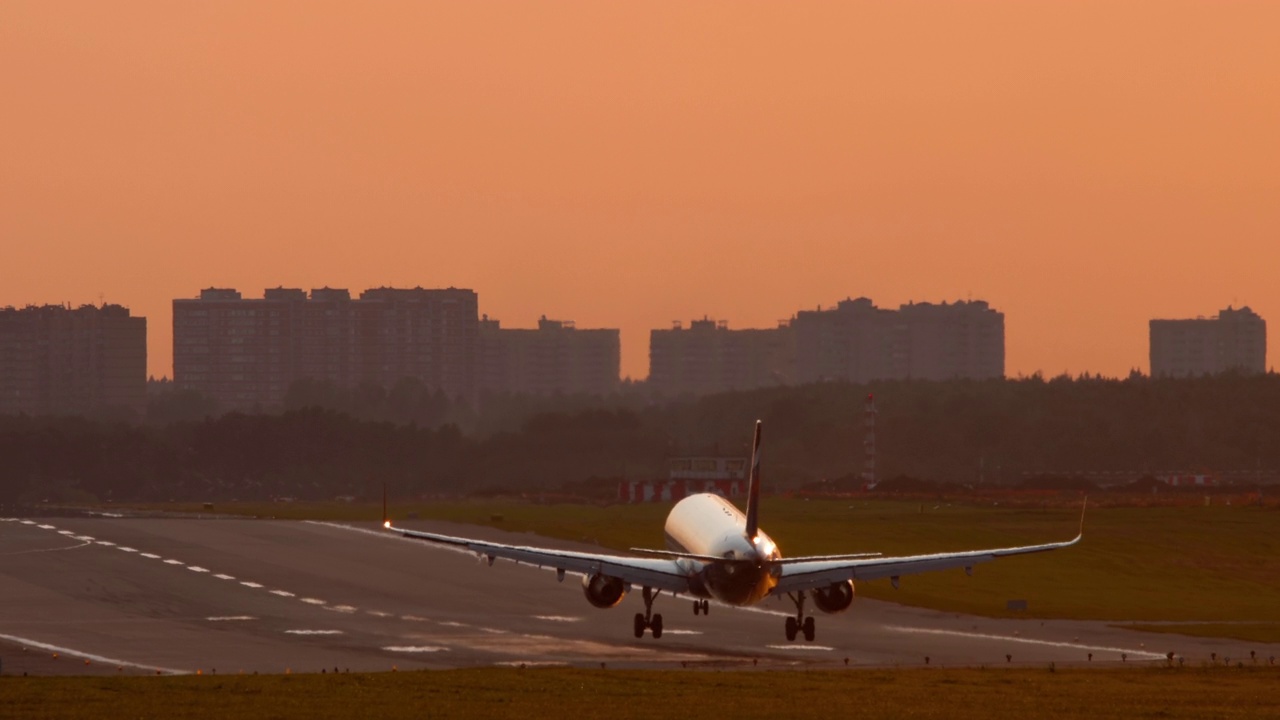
<point>647,620</point>
<point>701,607</point>
<point>800,624</point>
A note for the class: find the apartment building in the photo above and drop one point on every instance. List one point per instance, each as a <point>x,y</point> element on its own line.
<point>57,360</point>
<point>709,357</point>
<point>245,352</point>
<point>1232,341</point>
<point>555,358</point>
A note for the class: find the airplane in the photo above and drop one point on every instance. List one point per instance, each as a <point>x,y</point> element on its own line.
<point>714,551</point>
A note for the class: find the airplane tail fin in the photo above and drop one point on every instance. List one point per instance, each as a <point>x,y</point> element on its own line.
<point>753,487</point>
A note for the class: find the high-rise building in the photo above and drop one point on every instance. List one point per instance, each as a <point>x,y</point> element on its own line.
<point>708,357</point>
<point>1235,340</point>
<point>245,353</point>
<point>557,357</point>
<point>56,360</point>
<point>859,342</point>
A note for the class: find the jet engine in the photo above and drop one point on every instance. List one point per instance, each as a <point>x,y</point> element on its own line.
<point>834,598</point>
<point>603,591</point>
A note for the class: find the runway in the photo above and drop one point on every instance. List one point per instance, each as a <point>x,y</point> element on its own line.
<point>146,595</point>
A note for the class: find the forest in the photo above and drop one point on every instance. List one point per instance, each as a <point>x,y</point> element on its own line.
<point>329,442</point>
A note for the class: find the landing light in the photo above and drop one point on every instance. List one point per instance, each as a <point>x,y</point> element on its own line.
<point>386,524</point>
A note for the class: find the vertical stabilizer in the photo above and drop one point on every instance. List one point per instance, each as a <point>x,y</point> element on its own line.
<point>753,487</point>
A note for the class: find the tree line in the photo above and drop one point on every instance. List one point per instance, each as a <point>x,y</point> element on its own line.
<point>331,442</point>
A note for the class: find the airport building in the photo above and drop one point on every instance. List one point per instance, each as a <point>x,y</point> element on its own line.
<point>708,357</point>
<point>859,342</point>
<point>56,360</point>
<point>1233,341</point>
<point>555,358</point>
<point>244,353</point>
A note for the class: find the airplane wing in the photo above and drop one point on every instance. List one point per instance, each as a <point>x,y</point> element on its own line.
<point>809,574</point>
<point>657,573</point>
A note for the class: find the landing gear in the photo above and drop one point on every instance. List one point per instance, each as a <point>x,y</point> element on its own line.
<point>701,607</point>
<point>800,624</point>
<point>647,620</point>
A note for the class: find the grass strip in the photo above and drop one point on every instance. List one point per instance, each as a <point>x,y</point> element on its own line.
<point>1217,691</point>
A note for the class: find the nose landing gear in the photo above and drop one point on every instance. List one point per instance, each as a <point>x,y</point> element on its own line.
<point>800,624</point>
<point>647,620</point>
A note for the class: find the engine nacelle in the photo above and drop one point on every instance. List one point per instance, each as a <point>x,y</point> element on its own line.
<point>834,598</point>
<point>603,591</point>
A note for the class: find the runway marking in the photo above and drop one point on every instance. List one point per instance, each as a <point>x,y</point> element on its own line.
<point>230,618</point>
<point>531,663</point>
<point>414,618</point>
<point>66,532</point>
<point>248,584</point>
<point>341,608</point>
<point>28,522</point>
<point>313,632</point>
<point>171,561</point>
<point>557,618</point>
<point>46,527</point>
<point>282,593</point>
<point>149,556</point>
<point>1026,641</point>
<point>450,623</point>
<point>220,576</point>
<point>197,568</point>
<point>493,631</point>
<point>313,601</point>
<point>682,632</point>
<point>45,550</point>
<point>378,613</point>
<point>83,538</point>
<point>415,648</point>
<point>87,656</point>
<point>125,548</point>
<point>108,543</point>
<point>821,648</point>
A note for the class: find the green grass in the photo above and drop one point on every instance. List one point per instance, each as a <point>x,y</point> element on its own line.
<point>498,693</point>
<point>1255,632</point>
<point>1207,564</point>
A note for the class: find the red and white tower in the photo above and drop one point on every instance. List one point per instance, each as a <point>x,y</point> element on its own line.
<point>869,442</point>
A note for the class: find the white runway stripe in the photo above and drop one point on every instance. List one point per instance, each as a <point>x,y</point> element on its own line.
<point>197,568</point>
<point>313,632</point>
<point>87,656</point>
<point>1137,654</point>
<point>108,543</point>
<point>149,556</point>
<point>220,576</point>
<point>282,593</point>
<point>313,601</point>
<point>171,561</point>
<point>248,584</point>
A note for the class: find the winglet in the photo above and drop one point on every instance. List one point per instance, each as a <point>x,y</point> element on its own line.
<point>1083,506</point>
<point>386,520</point>
<point>753,487</point>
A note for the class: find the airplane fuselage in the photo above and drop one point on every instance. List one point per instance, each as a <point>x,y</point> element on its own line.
<point>709,525</point>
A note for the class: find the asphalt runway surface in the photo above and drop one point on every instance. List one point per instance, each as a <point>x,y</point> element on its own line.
<point>151,595</point>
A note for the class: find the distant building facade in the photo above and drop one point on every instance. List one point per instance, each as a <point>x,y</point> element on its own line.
<point>245,353</point>
<point>708,357</point>
<point>56,360</point>
<point>859,342</point>
<point>555,358</point>
<point>1233,341</point>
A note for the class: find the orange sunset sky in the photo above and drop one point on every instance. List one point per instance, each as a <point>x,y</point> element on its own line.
<point>1083,166</point>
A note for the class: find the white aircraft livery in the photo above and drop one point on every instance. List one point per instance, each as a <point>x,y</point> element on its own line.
<point>715,551</point>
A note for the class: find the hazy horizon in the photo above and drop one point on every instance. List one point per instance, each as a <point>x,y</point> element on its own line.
<point>1082,167</point>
